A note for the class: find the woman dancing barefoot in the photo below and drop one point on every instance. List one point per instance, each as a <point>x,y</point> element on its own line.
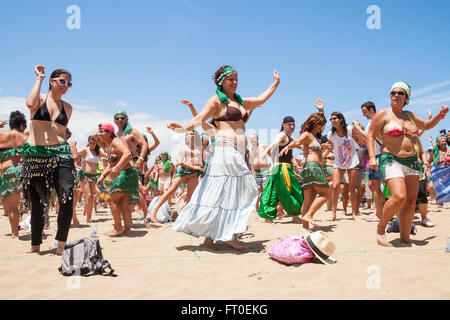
<point>398,159</point>
<point>314,179</point>
<point>221,204</point>
<point>47,159</point>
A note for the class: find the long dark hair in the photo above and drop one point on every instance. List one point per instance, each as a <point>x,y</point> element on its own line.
<point>97,148</point>
<point>343,123</point>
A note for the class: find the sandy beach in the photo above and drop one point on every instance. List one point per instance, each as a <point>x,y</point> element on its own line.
<point>159,263</point>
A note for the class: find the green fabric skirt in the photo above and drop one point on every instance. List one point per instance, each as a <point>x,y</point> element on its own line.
<point>276,190</point>
<point>127,182</point>
<point>312,175</point>
<point>329,170</point>
<point>184,172</point>
<point>10,182</point>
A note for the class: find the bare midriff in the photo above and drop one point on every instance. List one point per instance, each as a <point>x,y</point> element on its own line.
<point>46,133</point>
<point>400,146</point>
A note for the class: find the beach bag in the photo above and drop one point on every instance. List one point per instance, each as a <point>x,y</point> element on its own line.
<point>291,250</point>
<point>441,182</point>
<point>395,227</point>
<point>84,257</point>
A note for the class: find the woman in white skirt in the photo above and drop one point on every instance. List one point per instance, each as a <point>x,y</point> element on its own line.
<point>222,202</point>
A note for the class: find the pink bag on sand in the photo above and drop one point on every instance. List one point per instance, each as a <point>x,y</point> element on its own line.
<point>291,250</point>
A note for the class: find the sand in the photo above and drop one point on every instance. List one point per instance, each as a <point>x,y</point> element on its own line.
<point>159,263</point>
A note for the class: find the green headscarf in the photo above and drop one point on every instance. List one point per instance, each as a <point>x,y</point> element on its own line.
<point>405,87</point>
<point>166,165</point>
<point>436,151</point>
<point>222,96</point>
<point>128,128</point>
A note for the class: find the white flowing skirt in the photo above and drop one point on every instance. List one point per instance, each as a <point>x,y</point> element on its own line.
<point>222,202</point>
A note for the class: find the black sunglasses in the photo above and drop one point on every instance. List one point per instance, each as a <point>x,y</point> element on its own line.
<point>400,93</point>
<point>62,81</point>
<point>333,118</point>
<point>120,118</point>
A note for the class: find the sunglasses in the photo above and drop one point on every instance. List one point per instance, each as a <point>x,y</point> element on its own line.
<point>63,82</point>
<point>334,118</point>
<point>119,118</point>
<point>400,93</point>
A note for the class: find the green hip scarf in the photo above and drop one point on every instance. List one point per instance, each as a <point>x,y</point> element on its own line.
<point>387,158</point>
<point>42,162</point>
<point>312,175</point>
<point>10,182</point>
<point>92,176</point>
<point>282,187</point>
<point>329,170</point>
<point>184,172</point>
<point>127,182</point>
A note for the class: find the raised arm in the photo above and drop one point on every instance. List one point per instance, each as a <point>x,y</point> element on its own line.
<point>430,115</point>
<point>295,143</point>
<point>431,123</point>
<point>207,112</point>
<point>154,145</point>
<point>281,136</point>
<point>253,102</point>
<point>34,98</point>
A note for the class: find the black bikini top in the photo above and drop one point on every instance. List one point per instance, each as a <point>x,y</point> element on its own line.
<point>43,114</point>
<point>232,114</point>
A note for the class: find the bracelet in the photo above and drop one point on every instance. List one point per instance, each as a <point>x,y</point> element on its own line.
<point>441,116</point>
<point>142,159</point>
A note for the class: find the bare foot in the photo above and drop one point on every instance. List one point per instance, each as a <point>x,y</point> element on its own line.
<point>114,233</point>
<point>268,221</point>
<point>127,229</point>
<point>310,220</point>
<point>209,243</point>
<point>76,224</point>
<point>34,249</point>
<point>381,238</point>
<point>306,226</point>
<point>235,244</point>
<point>88,221</point>
<point>60,248</point>
<point>333,217</point>
<point>296,219</point>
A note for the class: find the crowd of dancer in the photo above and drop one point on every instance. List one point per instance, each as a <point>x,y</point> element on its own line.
<point>220,177</point>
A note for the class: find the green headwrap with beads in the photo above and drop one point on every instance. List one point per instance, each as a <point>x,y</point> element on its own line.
<point>222,96</point>
<point>128,128</point>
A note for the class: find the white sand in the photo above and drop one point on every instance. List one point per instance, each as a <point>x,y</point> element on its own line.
<point>160,263</point>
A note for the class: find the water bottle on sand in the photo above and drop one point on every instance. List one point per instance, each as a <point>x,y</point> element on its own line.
<point>447,247</point>
<point>94,231</point>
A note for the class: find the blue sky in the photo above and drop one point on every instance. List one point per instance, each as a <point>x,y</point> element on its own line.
<point>145,56</point>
